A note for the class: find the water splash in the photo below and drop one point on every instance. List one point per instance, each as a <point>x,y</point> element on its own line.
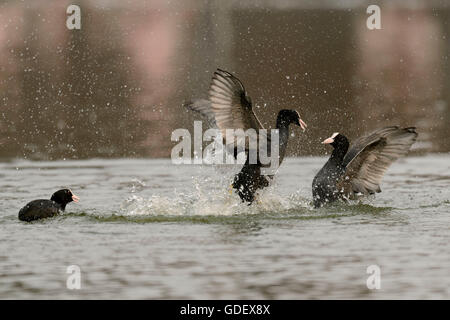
<point>206,200</point>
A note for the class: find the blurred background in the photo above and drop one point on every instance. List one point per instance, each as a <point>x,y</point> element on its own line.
<point>115,88</point>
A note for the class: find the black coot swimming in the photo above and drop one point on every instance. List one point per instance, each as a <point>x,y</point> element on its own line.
<point>358,170</point>
<point>229,107</point>
<point>43,208</point>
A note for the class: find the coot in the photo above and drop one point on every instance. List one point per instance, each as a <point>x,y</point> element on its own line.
<point>230,107</point>
<point>43,208</point>
<point>358,170</point>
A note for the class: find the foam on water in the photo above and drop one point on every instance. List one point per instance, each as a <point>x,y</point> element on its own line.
<point>205,200</point>
<point>209,196</point>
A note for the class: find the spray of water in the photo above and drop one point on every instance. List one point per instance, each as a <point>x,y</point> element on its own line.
<point>207,200</point>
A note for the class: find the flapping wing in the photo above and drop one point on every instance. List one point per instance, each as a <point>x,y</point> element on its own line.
<point>369,157</point>
<point>231,104</point>
<point>203,107</point>
<point>229,107</point>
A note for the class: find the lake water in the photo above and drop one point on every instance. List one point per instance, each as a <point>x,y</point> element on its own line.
<point>149,229</point>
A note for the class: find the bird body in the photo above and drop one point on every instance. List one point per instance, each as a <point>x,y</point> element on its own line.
<point>326,180</point>
<point>250,178</point>
<point>39,209</point>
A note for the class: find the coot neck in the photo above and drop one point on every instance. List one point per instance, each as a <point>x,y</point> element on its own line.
<point>283,129</point>
<point>62,206</point>
<point>338,154</point>
<point>282,122</point>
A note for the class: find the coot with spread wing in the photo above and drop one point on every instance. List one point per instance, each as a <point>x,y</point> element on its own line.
<point>230,107</point>
<point>359,168</point>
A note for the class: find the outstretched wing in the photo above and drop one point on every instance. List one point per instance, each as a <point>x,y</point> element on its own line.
<point>369,157</point>
<point>230,103</point>
<point>203,107</point>
<point>229,107</point>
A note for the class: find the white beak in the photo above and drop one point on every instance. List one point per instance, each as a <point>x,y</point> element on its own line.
<point>75,198</point>
<point>302,124</point>
<point>330,139</point>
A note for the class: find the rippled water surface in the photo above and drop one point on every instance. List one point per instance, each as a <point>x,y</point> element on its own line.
<point>149,229</point>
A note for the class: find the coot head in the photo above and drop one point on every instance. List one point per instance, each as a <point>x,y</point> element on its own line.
<point>338,141</point>
<point>64,196</point>
<point>286,117</point>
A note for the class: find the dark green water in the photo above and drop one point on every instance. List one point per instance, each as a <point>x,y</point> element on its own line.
<point>149,229</point>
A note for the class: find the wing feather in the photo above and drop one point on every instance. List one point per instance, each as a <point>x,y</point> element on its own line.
<point>369,157</point>
<point>203,107</point>
<point>228,107</point>
<point>231,105</point>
